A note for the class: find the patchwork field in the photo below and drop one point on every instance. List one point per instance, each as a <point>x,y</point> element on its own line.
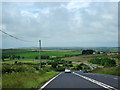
<point>32,55</point>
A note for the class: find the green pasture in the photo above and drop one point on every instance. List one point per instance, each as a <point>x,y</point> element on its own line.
<point>32,55</point>
<point>23,61</point>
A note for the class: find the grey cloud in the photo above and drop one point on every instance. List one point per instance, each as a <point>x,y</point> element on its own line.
<point>58,23</point>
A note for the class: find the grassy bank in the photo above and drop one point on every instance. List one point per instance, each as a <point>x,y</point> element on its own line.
<point>26,79</point>
<point>108,71</point>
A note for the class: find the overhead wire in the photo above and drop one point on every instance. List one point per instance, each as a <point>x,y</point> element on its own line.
<point>16,37</point>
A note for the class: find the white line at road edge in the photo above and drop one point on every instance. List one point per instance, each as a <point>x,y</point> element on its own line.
<point>49,81</point>
<point>96,82</point>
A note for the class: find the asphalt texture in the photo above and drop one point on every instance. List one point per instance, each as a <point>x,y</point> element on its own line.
<point>70,80</point>
<point>111,80</point>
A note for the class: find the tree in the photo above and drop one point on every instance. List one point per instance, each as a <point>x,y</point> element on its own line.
<point>45,57</point>
<point>2,58</point>
<point>13,57</point>
<point>88,51</point>
<point>98,52</point>
<point>103,61</point>
<point>36,57</point>
<point>54,64</point>
<point>23,57</point>
<point>79,67</point>
<point>15,62</point>
<point>18,57</point>
<point>70,62</point>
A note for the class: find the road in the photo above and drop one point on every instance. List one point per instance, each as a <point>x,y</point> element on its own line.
<point>90,65</point>
<point>79,79</point>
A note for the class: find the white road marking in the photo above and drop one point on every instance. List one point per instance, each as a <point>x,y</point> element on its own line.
<point>96,82</point>
<point>115,78</point>
<point>49,81</point>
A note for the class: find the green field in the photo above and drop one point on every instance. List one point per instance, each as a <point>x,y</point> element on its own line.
<point>22,61</point>
<point>32,55</point>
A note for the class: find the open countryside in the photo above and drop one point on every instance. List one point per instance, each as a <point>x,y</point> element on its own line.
<point>26,63</point>
<point>55,44</point>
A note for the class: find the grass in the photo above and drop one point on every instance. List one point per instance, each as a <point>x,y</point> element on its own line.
<point>26,79</point>
<point>108,71</point>
<point>32,55</point>
<point>86,58</point>
<point>22,61</point>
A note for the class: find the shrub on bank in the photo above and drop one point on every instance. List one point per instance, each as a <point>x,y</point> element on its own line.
<point>7,68</point>
<point>103,61</point>
<point>108,71</point>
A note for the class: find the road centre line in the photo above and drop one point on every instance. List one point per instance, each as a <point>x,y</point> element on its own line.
<point>49,81</point>
<point>96,82</point>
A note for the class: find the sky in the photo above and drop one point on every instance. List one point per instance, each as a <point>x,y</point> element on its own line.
<point>60,24</point>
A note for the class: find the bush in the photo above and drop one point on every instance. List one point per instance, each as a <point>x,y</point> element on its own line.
<point>45,57</point>
<point>54,64</point>
<point>60,68</point>
<point>103,61</point>
<point>79,67</point>
<point>22,68</point>
<point>70,65</point>
<point>36,67</point>
<point>36,57</point>
<point>6,68</point>
<point>16,68</point>
<point>70,62</point>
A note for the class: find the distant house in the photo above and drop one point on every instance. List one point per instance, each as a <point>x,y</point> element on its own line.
<point>101,52</point>
<point>53,56</point>
<point>94,52</point>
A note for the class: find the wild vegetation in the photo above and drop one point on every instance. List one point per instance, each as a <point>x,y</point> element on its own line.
<point>108,71</point>
<point>21,69</point>
<point>86,58</point>
<point>20,66</point>
<point>26,79</point>
<point>103,61</point>
<point>20,75</point>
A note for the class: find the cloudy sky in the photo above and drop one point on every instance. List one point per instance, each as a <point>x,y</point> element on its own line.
<point>81,24</point>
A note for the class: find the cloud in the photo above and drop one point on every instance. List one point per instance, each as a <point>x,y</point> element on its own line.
<point>75,5</point>
<point>61,24</point>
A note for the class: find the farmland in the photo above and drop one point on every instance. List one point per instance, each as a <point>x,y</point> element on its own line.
<point>86,58</point>
<point>32,55</point>
<point>28,68</point>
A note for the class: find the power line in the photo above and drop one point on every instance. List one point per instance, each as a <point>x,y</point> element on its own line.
<point>16,37</point>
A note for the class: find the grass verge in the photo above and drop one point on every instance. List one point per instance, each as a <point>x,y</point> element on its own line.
<point>108,71</point>
<point>26,79</point>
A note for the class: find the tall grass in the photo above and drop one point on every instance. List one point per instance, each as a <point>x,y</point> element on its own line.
<point>26,79</point>
<point>108,71</point>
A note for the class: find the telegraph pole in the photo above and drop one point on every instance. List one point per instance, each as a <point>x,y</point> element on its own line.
<point>40,53</point>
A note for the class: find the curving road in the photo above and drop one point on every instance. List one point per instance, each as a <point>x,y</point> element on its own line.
<point>84,80</point>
